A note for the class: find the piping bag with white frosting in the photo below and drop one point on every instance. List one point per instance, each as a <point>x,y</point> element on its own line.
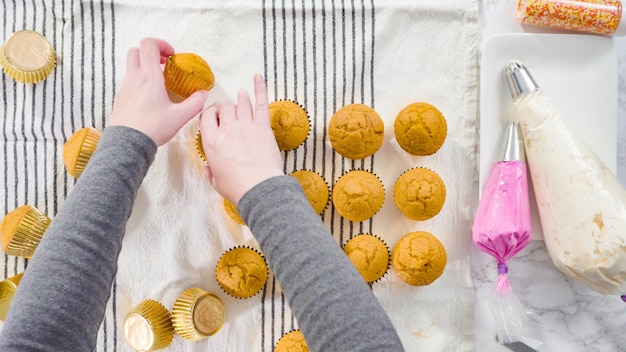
<point>502,228</point>
<point>581,204</point>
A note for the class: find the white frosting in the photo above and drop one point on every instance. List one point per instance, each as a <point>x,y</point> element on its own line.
<point>27,50</point>
<point>138,332</point>
<point>581,204</point>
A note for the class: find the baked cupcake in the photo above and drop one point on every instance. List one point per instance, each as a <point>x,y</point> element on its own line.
<point>292,342</point>
<point>7,291</point>
<point>232,212</point>
<point>78,150</point>
<point>358,195</point>
<point>27,57</point>
<point>242,272</point>
<point>290,124</point>
<point>419,193</point>
<point>370,256</point>
<point>200,148</point>
<point>186,73</point>
<point>420,129</point>
<point>197,314</point>
<point>21,231</point>
<point>148,327</point>
<point>419,258</point>
<point>315,189</point>
<point>356,131</point>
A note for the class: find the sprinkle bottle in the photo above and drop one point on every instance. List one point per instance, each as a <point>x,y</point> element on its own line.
<point>588,16</point>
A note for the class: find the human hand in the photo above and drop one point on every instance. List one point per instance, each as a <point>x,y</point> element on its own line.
<point>239,145</point>
<point>142,102</point>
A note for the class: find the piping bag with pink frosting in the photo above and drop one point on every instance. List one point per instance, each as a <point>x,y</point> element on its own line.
<point>502,228</point>
<point>581,204</point>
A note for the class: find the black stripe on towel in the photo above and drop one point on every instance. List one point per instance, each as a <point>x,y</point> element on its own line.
<point>114,89</point>
<point>335,38</point>
<point>5,172</point>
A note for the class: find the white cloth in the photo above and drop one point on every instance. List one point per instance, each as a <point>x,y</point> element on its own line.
<point>322,54</point>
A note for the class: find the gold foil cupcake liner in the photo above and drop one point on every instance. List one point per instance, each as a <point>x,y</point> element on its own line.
<point>181,82</point>
<point>7,291</point>
<point>86,151</point>
<point>325,182</point>
<point>226,289</point>
<point>197,314</point>
<point>17,70</point>
<point>159,320</point>
<point>28,233</point>
<point>308,118</point>
<point>388,254</point>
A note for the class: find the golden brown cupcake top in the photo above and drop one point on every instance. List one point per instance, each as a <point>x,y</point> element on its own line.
<point>186,73</point>
<point>315,189</point>
<point>242,272</point>
<point>358,195</point>
<point>290,124</point>
<point>78,150</point>
<point>420,129</point>
<point>370,256</point>
<point>419,194</point>
<point>232,212</point>
<point>356,131</point>
<point>292,342</point>
<point>419,258</point>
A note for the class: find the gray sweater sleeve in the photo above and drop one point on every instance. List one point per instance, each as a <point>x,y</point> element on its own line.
<point>334,307</point>
<point>61,300</point>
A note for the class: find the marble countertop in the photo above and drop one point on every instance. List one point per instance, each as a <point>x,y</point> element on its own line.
<point>568,316</point>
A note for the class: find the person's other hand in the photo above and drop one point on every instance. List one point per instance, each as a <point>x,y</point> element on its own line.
<point>142,102</point>
<point>239,144</point>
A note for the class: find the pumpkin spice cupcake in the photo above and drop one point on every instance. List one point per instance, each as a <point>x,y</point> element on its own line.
<point>356,131</point>
<point>358,195</point>
<point>420,129</point>
<point>78,150</point>
<point>419,193</point>
<point>186,73</point>
<point>200,148</point>
<point>292,342</point>
<point>148,326</point>
<point>242,272</point>
<point>197,314</point>
<point>21,231</point>
<point>315,189</point>
<point>370,255</point>
<point>419,258</point>
<point>232,212</point>
<point>290,124</point>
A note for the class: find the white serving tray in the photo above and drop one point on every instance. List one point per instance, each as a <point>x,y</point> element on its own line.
<point>578,73</point>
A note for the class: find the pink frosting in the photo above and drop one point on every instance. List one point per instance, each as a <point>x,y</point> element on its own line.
<point>502,225</point>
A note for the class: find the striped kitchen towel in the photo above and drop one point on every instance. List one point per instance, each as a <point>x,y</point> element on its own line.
<point>321,54</point>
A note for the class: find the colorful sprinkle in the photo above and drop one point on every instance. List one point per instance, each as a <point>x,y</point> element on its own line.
<point>591,16</point>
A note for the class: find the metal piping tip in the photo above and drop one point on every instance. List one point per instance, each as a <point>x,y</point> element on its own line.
<point>519,80</point>
<point>513,144</point>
